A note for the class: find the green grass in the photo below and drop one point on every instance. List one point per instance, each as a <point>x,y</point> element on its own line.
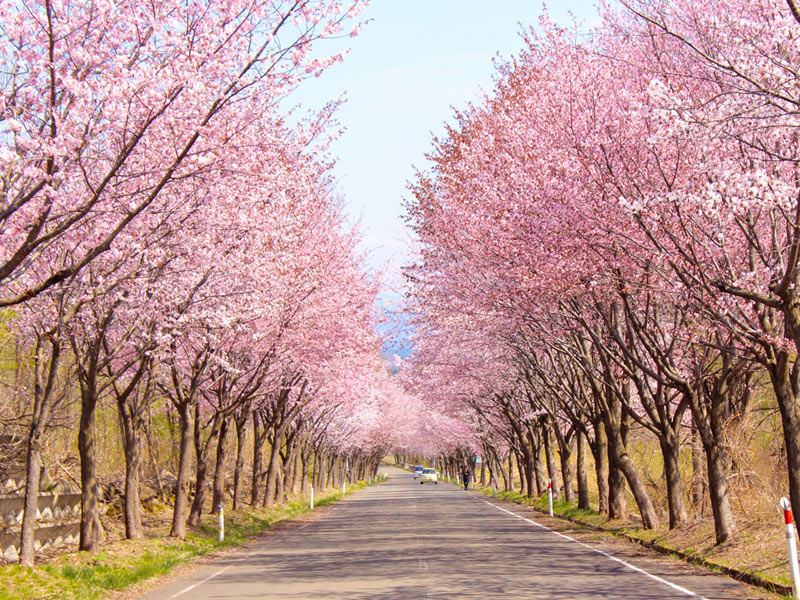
<point>89,576</point>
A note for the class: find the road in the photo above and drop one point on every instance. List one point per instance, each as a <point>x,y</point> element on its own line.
<point>402,541</point>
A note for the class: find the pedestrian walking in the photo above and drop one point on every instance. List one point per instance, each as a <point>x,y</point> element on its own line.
<point>465,476</point>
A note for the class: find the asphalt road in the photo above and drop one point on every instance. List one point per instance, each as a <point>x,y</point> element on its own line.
<point>401,541</point>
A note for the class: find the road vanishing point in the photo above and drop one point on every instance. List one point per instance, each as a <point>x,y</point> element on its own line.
<point>402,541</point>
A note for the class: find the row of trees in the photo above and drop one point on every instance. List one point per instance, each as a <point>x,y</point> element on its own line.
<point>168,235</point>
<point>611,240</point>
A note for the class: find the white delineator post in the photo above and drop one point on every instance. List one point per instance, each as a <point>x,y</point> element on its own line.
<point>311,504</point>
<point>494,487</point>
<point>343,484</point>
<point>221,524</point>
<point>550,496</point>
<point>791,543</point>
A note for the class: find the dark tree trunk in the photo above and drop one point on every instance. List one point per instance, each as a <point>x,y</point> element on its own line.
<point>241,434</point>
<point>625,464</point>
<point>318,468</point>
<point>87,450</point>
<point>583,484</point>
<point>219,467</point>
<point>272,469</point>
<point>178,529</point>
<point>201,477</point>
<point>566,470</point>
<point>539,480</point>
<point>201,451</point>
<point>331,472</point>
<point>617,503</point>
<point>708,414</point>
<point>297,472</point>
<point>259,437</point>
<point>602,470</point>
<point>526,476</point>
<point>280,479</point>
<point>304,457</point>
<point>552,471</point>
<point>698,475</point>
<point>724,522</point>
<point>785,376</point>
<point>678,514</point>
<point>131,448</point>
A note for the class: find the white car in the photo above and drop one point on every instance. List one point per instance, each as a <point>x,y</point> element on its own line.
<point>429,475</point>
<point>418,471</point>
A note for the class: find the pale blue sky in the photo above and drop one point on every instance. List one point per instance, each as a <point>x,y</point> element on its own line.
<point>411,65</point>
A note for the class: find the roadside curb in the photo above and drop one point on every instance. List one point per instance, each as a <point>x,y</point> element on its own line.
<point>743,576</point>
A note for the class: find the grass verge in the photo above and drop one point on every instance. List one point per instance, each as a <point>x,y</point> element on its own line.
<point>121,564</point>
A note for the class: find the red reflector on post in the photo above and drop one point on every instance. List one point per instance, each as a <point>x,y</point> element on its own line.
<point>787,511</point>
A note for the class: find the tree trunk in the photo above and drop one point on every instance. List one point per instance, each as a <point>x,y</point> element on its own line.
<point>131,448</point>
<point>331,472</point>
<point>526,476</point>
<point>201,476</point>
<point>708,413</point>
<point>785,382</point>
<point>178,529</point>
<point>678,514</point>
<point>219,467</point>
<point>624,463</point>
<point>602,470</point>
<point>32,479</point>
<point>304,457</point>
<point>259,436</point>
<point>503,473</point>
<point>564,453</point>
<point>552,472</point>
<point>617,502</point>
<point>201,464</point>
<point>241,433</point>
<point>319,468</point>
<point>280,479</point>
<point>87,450</point>
<point>298,472</point>
<point>272,470</point>
<point>724,522</point>
<point>539,480</point>
<point>698,475</point>
<point>43,405</point>
<point>583,484</point>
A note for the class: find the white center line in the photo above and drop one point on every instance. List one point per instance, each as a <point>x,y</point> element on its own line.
<point>674,586</point>
<point>194,585</point>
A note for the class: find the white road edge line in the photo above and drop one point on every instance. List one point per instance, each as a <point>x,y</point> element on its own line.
<point>606,554</point>
<point>194,585</point>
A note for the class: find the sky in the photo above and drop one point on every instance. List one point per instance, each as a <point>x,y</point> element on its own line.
<point>410,67</point>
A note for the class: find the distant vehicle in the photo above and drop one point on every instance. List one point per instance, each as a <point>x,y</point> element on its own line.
<point>418,471</point>
<point>429,475</point>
